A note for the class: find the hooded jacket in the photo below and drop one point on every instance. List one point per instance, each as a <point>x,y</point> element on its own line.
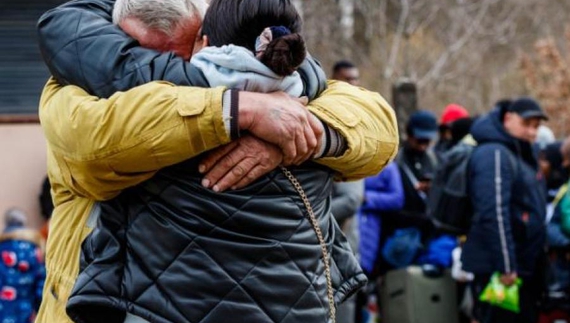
<point>96,150</point>
<point>236,67</point>
<point>508,228</point>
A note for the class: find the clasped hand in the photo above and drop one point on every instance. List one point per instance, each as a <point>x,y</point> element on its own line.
<point>279,130</point>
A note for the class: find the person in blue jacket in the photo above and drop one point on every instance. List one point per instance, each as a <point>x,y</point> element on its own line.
<point>509,203</point>
<point>22,271</point>
<point>382,193</point>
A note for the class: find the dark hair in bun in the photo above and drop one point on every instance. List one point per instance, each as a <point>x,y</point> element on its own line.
<point>285,54</point>
<point>240,22</point>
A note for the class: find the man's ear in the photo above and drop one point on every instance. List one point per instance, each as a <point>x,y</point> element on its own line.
<point>199,44</point>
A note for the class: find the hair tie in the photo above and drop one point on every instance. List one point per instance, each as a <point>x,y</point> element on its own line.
<point>267,36</point>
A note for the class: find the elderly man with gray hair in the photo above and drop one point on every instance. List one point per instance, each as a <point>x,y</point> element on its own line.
<point>146,139</point>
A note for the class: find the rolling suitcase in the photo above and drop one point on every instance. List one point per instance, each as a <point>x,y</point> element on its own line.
<point>410,296</point>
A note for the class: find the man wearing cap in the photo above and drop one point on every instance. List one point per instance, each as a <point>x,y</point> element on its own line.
<point>508,231</point>
<point>417,165</point>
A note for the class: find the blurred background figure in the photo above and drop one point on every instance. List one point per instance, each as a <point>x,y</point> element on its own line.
<point>550,162</point>
<point>507,231</point>
<point>22,271</point>
<point>347,72</point>
<point>451,113</point>
<point>383,193</point>
<point>417,165</point>
<point>460,129</point>
<point>554,163</point>
<point>46,206</point>
<point>383,196</point>
<point>346,199</point>
<point>544,137</point>
<point>14,219</point>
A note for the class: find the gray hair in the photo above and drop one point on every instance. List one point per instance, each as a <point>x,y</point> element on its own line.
<point>162,15</point>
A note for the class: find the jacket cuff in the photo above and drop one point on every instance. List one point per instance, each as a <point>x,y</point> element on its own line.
<point>230,113</point>
<point>205,117</point>
<point>333,143</point>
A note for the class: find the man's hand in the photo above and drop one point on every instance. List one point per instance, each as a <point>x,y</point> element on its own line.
<point>423,186</point>
<point>508,279</point>
<point>281,120</point>
<point>239,163</point>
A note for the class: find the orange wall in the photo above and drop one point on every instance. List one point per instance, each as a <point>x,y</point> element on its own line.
<point>22,169</point>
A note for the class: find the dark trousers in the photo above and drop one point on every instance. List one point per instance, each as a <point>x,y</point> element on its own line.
<point>487,313</point>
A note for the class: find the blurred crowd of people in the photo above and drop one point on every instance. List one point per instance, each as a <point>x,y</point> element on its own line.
<point>513,219</point>
<point>466,197</point>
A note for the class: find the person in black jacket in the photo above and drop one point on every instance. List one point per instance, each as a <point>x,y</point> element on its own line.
<point>417,166</point>
<point>508,228</point>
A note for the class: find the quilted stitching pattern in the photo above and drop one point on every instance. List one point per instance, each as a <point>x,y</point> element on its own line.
<point>256,259</point>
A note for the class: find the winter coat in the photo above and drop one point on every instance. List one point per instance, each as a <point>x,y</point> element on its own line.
<point>22,275</point>
<point>413,167</point>
<point>96,150</point>
<point>170,250</point>
<point>383,193</point>
<point>347,198</point>
<point>508,227</point>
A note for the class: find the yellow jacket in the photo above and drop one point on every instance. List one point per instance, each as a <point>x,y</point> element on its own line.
<point>98,147</point>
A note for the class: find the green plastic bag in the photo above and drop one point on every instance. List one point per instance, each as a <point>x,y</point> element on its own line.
<point>500,295</point>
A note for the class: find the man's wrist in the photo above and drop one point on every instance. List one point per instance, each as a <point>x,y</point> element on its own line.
<point>333,144</point>
<point>247,105</point>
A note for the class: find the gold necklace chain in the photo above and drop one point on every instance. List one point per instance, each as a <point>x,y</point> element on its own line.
<point>317,228</point>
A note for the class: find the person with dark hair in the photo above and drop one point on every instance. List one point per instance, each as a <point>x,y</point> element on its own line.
<point>417,166</point>
<point>550,161</point>
<point>554,162</point>
<point>460,129</point>
<point>243,55</point>
<point>46,202</point>
<point>46,206</point>
<point>347,72</point>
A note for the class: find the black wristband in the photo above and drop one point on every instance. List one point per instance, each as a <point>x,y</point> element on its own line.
<point>234,114</point>
<point>327,140</point>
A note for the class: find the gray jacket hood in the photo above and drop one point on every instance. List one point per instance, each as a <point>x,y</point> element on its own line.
<point>236,67</point>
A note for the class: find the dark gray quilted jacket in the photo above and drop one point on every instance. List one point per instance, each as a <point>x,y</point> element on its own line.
<point>169,250</point>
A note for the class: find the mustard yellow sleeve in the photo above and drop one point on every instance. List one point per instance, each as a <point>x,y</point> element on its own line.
<point>103,146</point>
<point>368,124</point>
